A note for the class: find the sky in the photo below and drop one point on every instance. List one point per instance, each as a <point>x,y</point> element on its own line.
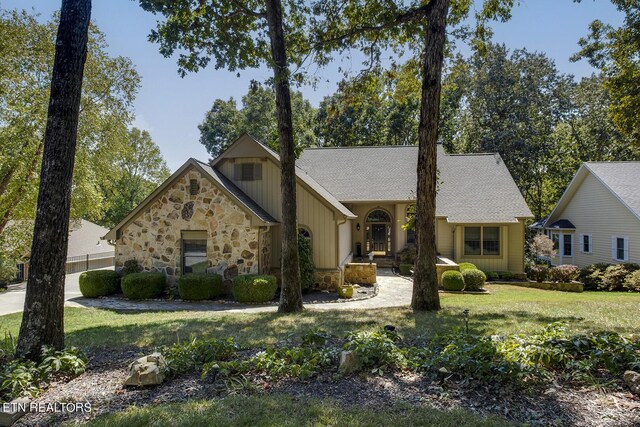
<point>171,107</point>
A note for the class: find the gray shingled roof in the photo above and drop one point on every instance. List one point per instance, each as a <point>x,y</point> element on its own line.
<point>473,188</point>
<point>622,178</point>
<point>247,201</point>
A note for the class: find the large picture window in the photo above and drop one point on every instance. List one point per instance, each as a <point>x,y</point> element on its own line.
<point>482,241</point>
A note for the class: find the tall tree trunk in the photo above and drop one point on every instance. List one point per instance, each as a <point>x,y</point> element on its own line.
<point>425,281</point>
<point>42,321</point>
<point>291,291</point>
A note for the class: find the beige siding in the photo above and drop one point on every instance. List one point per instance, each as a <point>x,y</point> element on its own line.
<point>344,240</point>
<point>444,238</point>
<point>594,210</point>
<point>486,263</point>
<point>312,213</point>
<point>516,247</point>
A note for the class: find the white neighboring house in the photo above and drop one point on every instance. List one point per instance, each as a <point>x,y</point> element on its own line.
<point>597,219</point>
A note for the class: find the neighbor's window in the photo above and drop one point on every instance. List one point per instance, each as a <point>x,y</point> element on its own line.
<point>620,248</point>
<point>194,252</point>
<point>472,237</point>
<point>586,243</point>
<point>567,245</point>
<point>247,172</point>
<point>482,241</point>
<point>555,238</point>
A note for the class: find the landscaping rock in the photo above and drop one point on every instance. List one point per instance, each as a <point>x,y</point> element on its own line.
<point>13,411</point>
<point>349,362</point>
<point>632,379</point>
<point>147,370</point>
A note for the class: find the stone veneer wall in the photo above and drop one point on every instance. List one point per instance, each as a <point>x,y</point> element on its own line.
<point>154,236</point>
<point>328,279</point>
<point>360,273</point>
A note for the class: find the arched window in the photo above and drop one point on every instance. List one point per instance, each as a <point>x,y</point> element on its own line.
<point>378,215</point>
<point>304,232</point>
<point>411,233</point>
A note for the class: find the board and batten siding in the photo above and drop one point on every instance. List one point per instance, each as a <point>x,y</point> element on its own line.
<point>312,213</point>
<point>345,253</point>
<point>594,210</point>
<point>444,238</point>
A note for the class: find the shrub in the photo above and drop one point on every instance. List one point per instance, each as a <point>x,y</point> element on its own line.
<point>254,288</point>
<point>99,283</point>
<point>143,285</point>
<point>199,286</point>
<point>539,273</point>
<point>614,277</point>
<point>307,267</point>
<point>505,275</point>
<point>592,276</point>
<point>192,355</point>
<point>564,273</point>
<point>632,281</point>
<point>473,280</point>
<point>408,255</point>
<point>405,269</point>
<point>492,275</point>
<point>467,266</point>
<point>378,349</point>
<point>131,266</point>
<point>452,280</point>
<point>8,269</point>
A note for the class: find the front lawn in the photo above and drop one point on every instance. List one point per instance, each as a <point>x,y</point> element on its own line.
<point>508,309</point>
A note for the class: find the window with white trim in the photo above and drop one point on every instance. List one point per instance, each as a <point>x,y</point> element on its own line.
<point>567,245</point>
<point>586,243</point>
<point>620,248</point>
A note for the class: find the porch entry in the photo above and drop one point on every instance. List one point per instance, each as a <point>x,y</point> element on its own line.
<point>378,232</point>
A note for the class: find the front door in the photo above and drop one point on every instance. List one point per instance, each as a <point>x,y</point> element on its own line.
<point>379,238</point>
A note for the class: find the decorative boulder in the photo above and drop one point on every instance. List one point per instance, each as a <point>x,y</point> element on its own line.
<point>12,411</point>
<point>147,370</point>
<point>349,362</point>
<point>632,379</point>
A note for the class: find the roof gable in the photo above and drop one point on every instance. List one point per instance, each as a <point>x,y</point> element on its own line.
<point>259,215</point>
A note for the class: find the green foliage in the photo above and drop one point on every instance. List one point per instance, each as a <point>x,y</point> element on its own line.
<point>193,355</point>
<point>307,266</point>
<point>250,288</point>
<point>474,279</point>
<point>7,348</point>
<point>405,269</point>
<point>592,276</point>
<point>200,286</point>
<point>8,269</point>
<point>614,277</point>
<point>539,273</point>
<point>296,362</point>
<point>131,266</point>
<point>632,281</point>
<point>506,275</point>
<point>452,280</point>
<point>143,285</point>
<point>408,254</point>
<point>564,273</point>
<point>378,350</point>
<point>492,275</point>
<point>467,266</point>
<point>552,286</point>
<point>99,283</point>
<point>20,378</point>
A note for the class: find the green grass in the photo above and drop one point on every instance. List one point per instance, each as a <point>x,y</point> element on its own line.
<point>508,309</point>
<point>282,410</point>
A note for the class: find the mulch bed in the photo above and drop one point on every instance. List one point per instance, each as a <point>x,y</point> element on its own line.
<point>559,404</point>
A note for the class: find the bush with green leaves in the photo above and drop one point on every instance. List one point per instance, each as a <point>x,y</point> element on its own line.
<point>632,281</point>
<point>492,275</point>
<point>564,273</point>
<point>199,286</point>
<point>307,266</point>
<point>296,362</point>
<point>143,285</point>
<point>539,273</point>
<point>614,277</point>
<point>8,269</point>
<point>251,288</point>
<point>467,266</point>
<point>474,279</point>
<point>191,356</point>
<point>452,280</point>
<point>25,378</point>
<point>405,269</point>
<point>131,266</point>
<point>506,275</point>
<point>99,283</point>
<point>592,276</point>
<point>377,350</point>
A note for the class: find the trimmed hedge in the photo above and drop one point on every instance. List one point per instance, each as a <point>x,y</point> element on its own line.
<point>254,288</point>
<point>539,273</point>
<point>405,269</point>
<point>143,285</point>
<point>199,286</point>
<point>467,266</point>
<point>564,273</point>
<point>99,283</point>
<point>550,286</point>
<point>473,279</point>
<point>452,280</point>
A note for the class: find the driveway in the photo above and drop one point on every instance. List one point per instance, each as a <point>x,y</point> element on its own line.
<point>393,291</point>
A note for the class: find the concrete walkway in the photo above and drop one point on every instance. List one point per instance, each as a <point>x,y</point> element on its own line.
<point>393,291</point>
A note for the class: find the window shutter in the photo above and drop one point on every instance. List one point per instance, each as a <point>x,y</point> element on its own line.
<point>613,248</point>
<point>590,243</point>
<point>582,248</point>
<point>626,249</point>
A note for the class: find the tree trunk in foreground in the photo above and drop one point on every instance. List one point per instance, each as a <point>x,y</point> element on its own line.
<point>425,281</point>
<point>291,291</point>
<point>42,321</point>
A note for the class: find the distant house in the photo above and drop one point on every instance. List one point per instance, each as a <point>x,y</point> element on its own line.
<point>85,251</point>
<point>597,219</point>
<point>224,216</point>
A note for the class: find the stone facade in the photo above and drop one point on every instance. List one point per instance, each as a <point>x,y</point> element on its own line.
<point>328,279</point>
<point>154,237</point>
<point>360,273</point>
